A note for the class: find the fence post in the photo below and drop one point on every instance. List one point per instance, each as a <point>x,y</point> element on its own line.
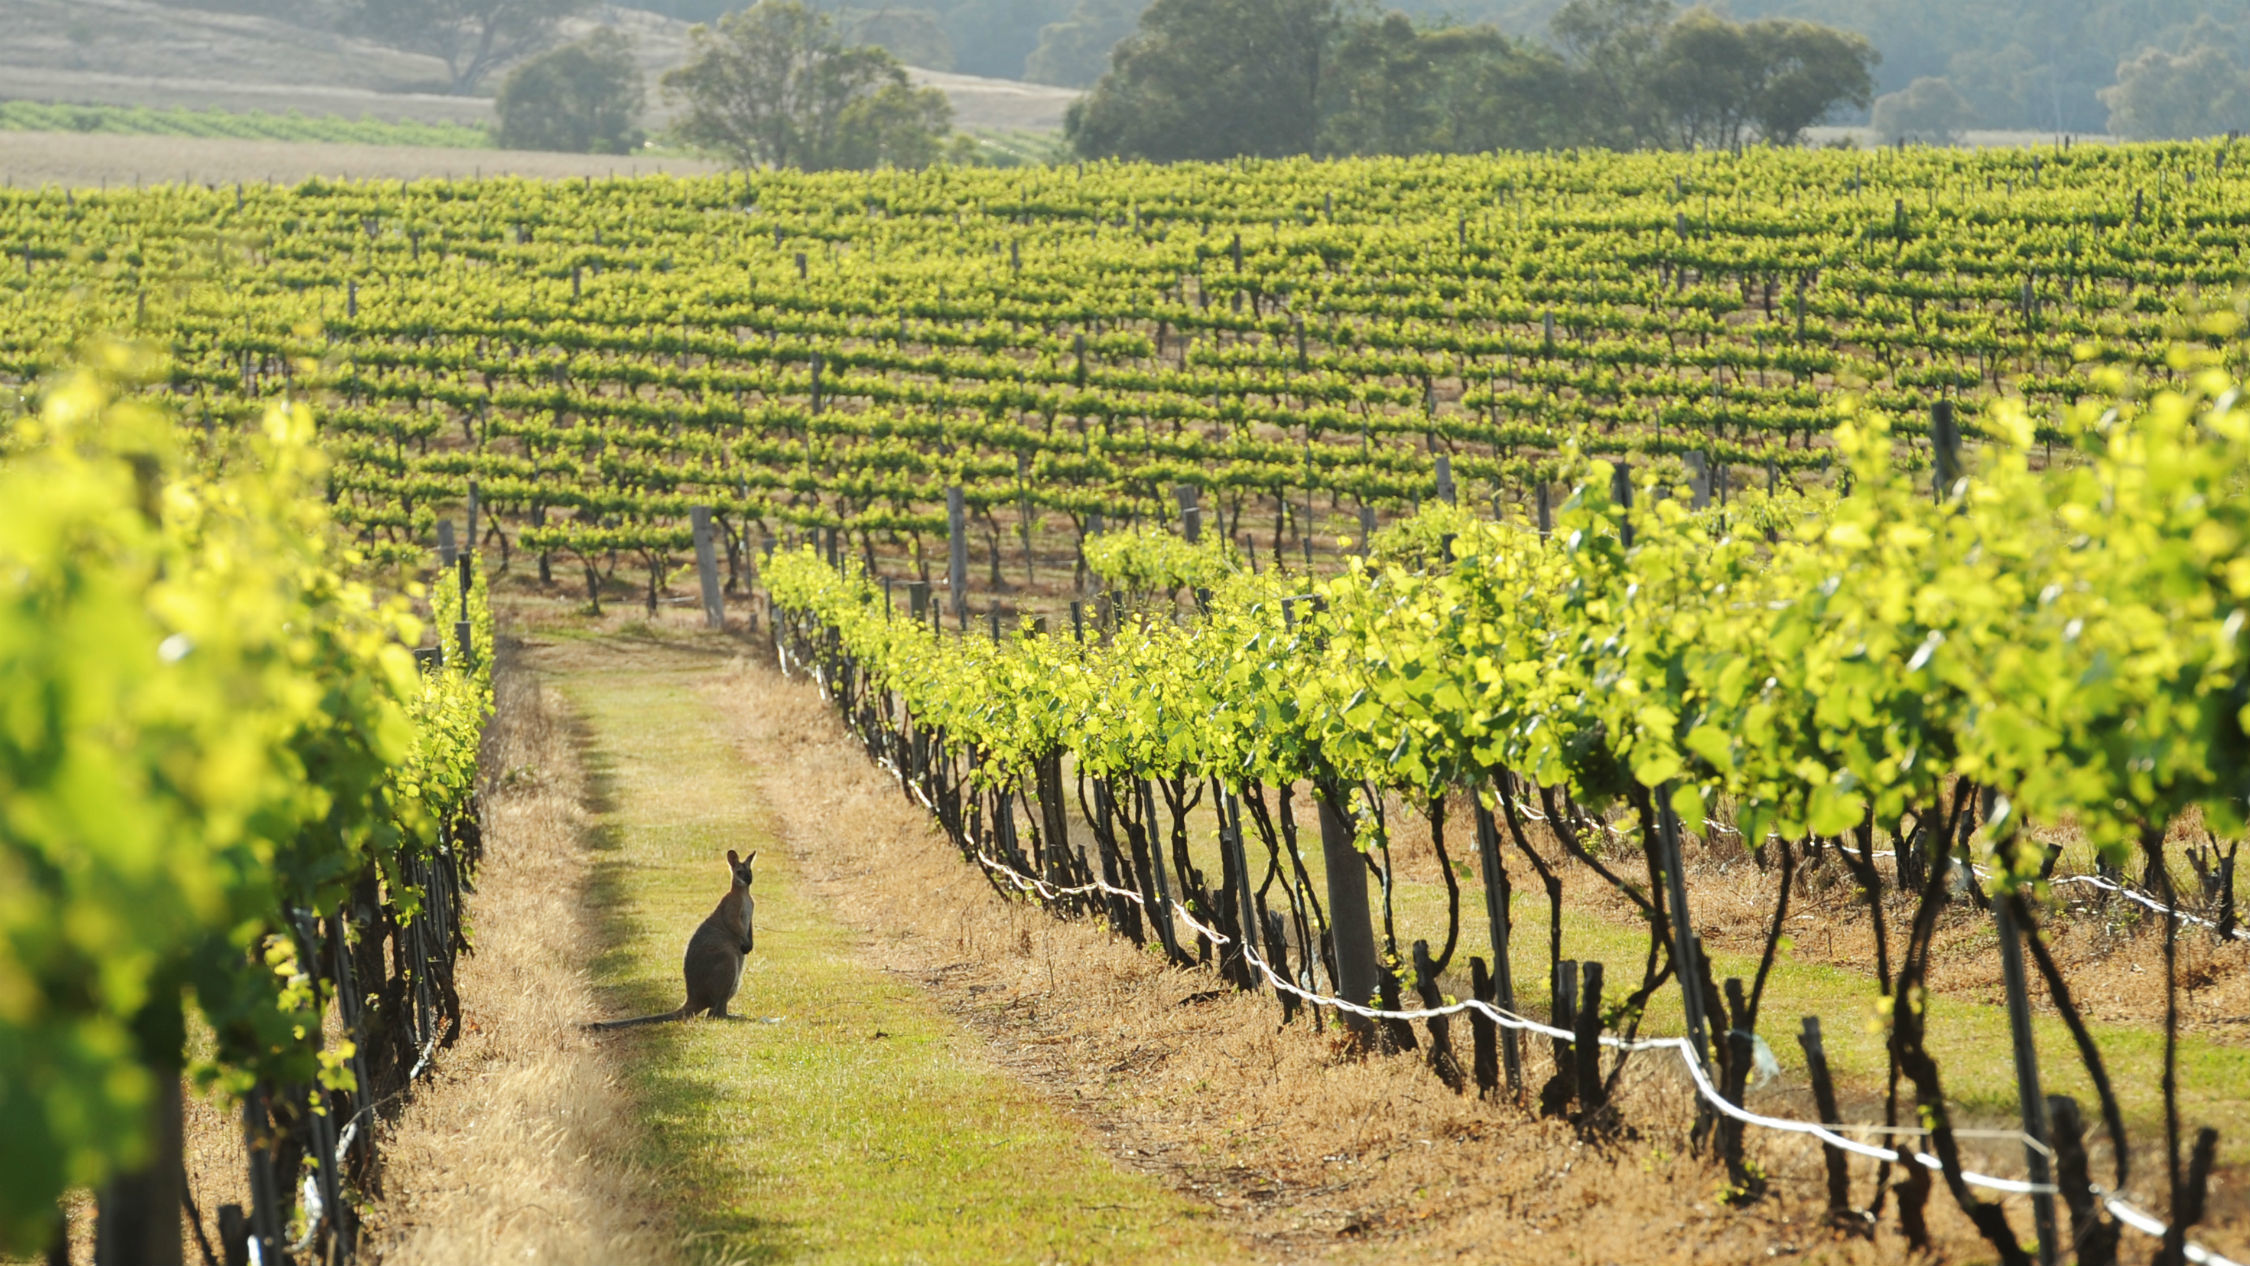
<point>1166,932</point>
<point>918,599</point>
<point>1445,479</point>
<point>1824,1100</point>
<point>2030,1100</point>
<point>1621,492</point>
<point>1562,1013</point>
<point>2095,1239</point>
<point>1349,922</point>
<point>469,546</point>
<point>1496,915</point>
<point>1054,826</point>
<point>957,553</point>
<point>1191,511</point>
<point>1699,479</point>
<point>138,1222</point>
<point>1684,949</point>
<point>1230,809</point>
<point>445,548</point>
<point>1945,449</point>
<point>707,567</point>
<point>1586,1050</point>
<point>264,1228</point>
<point>462,627</point>
<point>1482,1031</point>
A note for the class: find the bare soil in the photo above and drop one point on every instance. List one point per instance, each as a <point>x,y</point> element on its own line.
<point>87,161</point>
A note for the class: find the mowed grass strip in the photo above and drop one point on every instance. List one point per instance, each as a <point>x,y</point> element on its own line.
<point>846,1119</point>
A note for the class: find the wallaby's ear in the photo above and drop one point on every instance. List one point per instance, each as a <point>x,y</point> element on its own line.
<point>732,860</point>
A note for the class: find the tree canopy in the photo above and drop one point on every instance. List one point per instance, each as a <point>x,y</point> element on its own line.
<point>1212,79</point>
<point>774,86</point>
<point>1207,79</point>
<point>2160,95</point>
<point>581,98</point>
<point>1930,111</point>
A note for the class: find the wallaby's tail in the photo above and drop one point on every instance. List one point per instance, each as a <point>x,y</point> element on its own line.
<point>604,1026</point>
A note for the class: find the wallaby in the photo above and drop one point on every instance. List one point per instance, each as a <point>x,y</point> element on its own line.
<point>714,954</point>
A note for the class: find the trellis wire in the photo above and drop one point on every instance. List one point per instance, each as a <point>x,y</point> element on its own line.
<point>2124,1211</point>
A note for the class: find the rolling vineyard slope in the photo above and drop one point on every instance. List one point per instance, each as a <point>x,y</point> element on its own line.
<point>1679,572</point>
<point>1070,344</point>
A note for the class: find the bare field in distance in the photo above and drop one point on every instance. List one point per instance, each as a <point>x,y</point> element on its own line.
<point>87,160</point>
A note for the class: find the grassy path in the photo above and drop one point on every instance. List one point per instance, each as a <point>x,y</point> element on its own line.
<point>848,1119</point>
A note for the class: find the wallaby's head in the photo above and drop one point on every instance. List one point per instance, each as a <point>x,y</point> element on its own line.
<point>741,866</point>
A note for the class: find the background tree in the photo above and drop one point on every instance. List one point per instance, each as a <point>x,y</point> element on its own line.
<point>1718,83</point>
<point>2159,95</point>
<point>1395,89</point>
<point>1211,79</point>
<point>1805,73</point>
<point>1075,51</point>
<point>1378,93</point>
<point>472,37</point>
<point>1701,81</point>
<point>1929,110</point>
<point>895,126</point>
<point>2022,64</point>
<point>581,98</point>
<point>1614,45</point>
<point>996,37</point>
<point>772,85</point>
<point>1497,92</point>
<point>915,36</point>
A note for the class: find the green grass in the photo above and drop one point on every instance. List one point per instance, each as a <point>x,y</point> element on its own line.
<point>248,125</point>
<point>1019,148</point>
<point>864,1125</point>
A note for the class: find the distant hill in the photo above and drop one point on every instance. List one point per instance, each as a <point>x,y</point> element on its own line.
<point>132,52</point>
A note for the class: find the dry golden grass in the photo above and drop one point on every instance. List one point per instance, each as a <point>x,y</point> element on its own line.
<point>519,1148</point>
<point>1308,1152</point>
<point>850,1119</point>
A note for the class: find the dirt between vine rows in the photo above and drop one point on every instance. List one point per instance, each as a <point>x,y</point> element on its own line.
<point>1304,1150</point>
<point>92,159</point>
